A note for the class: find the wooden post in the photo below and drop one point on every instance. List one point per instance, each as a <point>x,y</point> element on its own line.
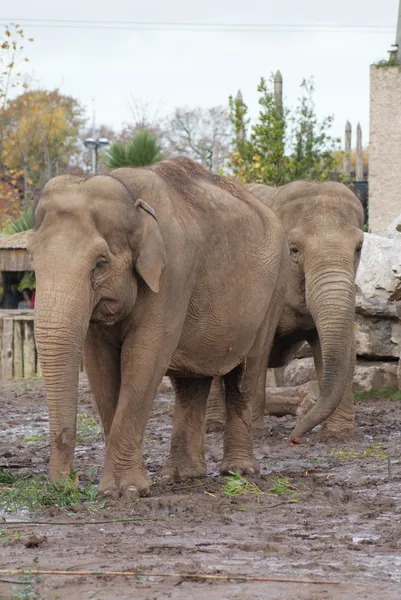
<point>347,149</point>
<point>241,132</point>
<point>278,91</point>
<point>359,154</point>
<point>18,350</point>
<point>38,369</point>
<point>7,349</point>
<point>29,349</point>
<point>1,347</point>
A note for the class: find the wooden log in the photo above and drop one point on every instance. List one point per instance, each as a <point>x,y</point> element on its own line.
<point>7,349</point>
<point>296,401</point>
<point>18,350</point>
<point>29,349</point>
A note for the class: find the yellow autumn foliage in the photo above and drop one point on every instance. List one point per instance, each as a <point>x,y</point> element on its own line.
<point>41,133</point>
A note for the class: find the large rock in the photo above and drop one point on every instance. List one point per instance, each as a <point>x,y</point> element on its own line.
<point>369,375</point>
<point>379,271</point>
<point>377,337</point>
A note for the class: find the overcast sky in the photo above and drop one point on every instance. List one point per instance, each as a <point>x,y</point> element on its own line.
<point>171,68</point>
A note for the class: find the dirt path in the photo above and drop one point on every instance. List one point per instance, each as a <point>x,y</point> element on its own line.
<point>344,525</point>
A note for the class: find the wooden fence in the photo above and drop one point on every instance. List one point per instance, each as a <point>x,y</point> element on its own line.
<point>19,358</point>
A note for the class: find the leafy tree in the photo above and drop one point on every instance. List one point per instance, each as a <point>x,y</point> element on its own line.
<point>12,54</point>
<point>312,153</point>
<point>283,145</point>
<point>143,150</point>
<point>42,135</point>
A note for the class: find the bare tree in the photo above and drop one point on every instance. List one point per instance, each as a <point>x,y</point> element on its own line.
<point>201,134</point>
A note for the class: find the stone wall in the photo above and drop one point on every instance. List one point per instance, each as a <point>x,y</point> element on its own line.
<point>384,147</point>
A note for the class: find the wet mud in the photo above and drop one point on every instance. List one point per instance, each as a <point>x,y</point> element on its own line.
<point>329,512</point>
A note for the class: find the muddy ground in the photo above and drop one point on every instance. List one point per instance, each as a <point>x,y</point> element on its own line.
<point>341,524</point>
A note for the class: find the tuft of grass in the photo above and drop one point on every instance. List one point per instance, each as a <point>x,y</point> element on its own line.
<point>6,477</point>
<point>88,429</point>
<point>281,485</point>
<point>33,437</point>
<point>25,588</point>
<point>370,452</point>
<point>237,485</point>
<point>391,393</point>
<point>39,492</point>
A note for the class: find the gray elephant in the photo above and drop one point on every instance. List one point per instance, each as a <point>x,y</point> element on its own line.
<point>152,270</point>
<point>323,222</point>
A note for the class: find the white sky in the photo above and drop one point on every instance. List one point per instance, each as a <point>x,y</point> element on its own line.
<point>170,68</point>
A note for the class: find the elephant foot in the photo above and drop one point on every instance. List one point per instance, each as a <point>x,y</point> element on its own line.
<point>243,466</point>
<point>129,484</point>
<point>212,426</point>
<point>342,431</point>
<point>179,470</point>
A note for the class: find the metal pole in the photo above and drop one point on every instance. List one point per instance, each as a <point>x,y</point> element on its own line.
<point>398,37</point>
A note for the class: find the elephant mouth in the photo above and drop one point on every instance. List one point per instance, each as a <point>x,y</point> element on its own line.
<point>106,312</point>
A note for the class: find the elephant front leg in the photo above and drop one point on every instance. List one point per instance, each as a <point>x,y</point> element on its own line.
<point>216,406</point>
<point>102,364</point>
<point>342,421</point>
<point>240,386</point>
<point>187,453</point>
<point>142,369</point>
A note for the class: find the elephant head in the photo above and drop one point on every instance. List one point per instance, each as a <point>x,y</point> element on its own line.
<point>93,249</point>
<point>323,222</point>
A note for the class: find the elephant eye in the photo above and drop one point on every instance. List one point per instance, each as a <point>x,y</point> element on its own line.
<point>295,253</point>
<point>100,264</point>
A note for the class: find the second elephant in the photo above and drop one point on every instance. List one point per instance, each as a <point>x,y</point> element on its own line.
<point>323,222</point>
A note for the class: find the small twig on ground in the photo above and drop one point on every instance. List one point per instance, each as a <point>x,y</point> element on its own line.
<point>34,523</point>
<point>181,575</point>
<point>15,581</point>
<point>16,466</point>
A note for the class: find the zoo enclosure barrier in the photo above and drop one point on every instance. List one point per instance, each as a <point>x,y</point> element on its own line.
<point>19,357</point>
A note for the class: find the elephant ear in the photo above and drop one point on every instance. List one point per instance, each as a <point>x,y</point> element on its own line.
<point>147,245</point>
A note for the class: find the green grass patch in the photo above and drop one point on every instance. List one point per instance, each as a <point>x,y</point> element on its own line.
<point>39,492</point>
<point>33,437</point>
<point>390,393</point>
<point>281,485</point>
<point>237,485</point>
<point>370,452</point>
<point>88,429</point>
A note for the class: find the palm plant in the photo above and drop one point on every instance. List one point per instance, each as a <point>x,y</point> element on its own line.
<point>141,151</point>
<point>22,223</point>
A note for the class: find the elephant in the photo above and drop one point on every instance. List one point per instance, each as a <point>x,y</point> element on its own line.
<point>323,222</point>
<point>167,269</point>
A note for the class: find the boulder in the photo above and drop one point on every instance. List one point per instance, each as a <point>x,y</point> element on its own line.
<point>377,337</point>
<point>369,375</point>
<point>372,375</point>
<point>379,271</point>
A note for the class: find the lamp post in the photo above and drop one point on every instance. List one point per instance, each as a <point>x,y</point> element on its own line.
<point>92,144</point>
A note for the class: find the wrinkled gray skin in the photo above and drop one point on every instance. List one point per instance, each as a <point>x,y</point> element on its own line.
<point>323,222</point>
<point>151,270</point>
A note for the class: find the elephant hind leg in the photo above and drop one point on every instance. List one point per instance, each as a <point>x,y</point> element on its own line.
<point>187,452</point>
<point>216,406</point>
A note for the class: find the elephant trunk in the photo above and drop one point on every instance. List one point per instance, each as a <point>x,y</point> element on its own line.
<point>330,296</point>
<point>62,314</point>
